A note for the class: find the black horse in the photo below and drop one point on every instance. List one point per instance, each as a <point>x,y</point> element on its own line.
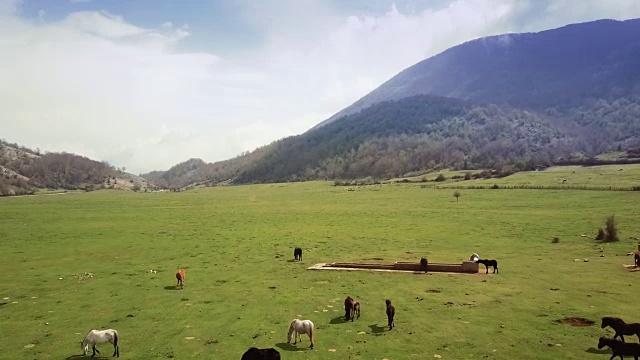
<point>424,264</point>
<point>620,327</point>
<point>297,254</point>
<point>391,312</point>
<point>488,263</point>
<point>261,354</point>
<point>620,348</point>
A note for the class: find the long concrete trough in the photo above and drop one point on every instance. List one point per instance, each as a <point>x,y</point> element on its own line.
<point>467,267</point>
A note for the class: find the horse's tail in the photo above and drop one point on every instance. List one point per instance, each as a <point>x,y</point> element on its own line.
<point>311,333</point>
<point>115,342</point>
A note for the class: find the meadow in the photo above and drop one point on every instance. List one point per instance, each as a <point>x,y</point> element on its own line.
<point>79,261</point>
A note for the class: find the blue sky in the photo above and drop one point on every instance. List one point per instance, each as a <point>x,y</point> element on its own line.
<point>149,83</point>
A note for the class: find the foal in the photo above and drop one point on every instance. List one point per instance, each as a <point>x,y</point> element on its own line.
<point>356,310</point>
<point>96,337</point>
<point>621,328</point>
<point>297,254</point>
<point>261,354</point>
<point>620,348</point>
<point>488,263</point>
<point>180,275</point>
<point>391,312</point>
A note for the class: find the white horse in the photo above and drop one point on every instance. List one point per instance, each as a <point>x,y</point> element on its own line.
<point>95,337</point>
<point>300,326</point>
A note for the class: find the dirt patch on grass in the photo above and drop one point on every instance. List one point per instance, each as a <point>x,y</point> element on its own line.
<point>576,321</point>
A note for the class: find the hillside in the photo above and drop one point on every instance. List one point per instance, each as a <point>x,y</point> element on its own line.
<point>509,102</point>
<point>562,69</point>
<point>24,171</point>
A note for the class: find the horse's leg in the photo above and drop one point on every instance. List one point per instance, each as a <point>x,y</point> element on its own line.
<point>487,268</point>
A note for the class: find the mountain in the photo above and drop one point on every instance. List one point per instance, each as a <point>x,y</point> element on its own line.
<point>507,102</point>
<point>560,68</point>
<point>23,171</point>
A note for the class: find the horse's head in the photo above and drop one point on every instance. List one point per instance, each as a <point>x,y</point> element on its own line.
<point>84,346</point>
<point>602,342</point>
<point>291,330</point>
<point>388,302</point>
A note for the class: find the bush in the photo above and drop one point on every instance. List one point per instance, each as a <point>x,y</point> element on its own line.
<point>555,240</point>
<point>467,176</point>
<point>600,235</point>
<point>611,229</point>
<point>495,186</point>
<point>440,178</point>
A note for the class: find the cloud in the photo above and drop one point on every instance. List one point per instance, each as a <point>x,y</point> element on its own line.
<point>98,85</point>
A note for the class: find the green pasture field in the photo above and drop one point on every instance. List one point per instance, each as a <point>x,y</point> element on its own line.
<point>567,176</point>
<point>75,262</point>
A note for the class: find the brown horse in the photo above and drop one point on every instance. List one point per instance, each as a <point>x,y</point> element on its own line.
<point>620,327</point>
<point>261,354</point>
<point>356,310</point>
<point>297,254</point>
<point>349,304</point>
<point>391,312</point>
<point>180,276</point>
<point>636,259</point>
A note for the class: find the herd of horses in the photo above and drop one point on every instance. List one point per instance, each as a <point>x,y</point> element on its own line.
<point>298,327</point>
<point>620,347</point>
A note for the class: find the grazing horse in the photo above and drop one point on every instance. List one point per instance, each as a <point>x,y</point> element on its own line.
<point>297,253</point>
<point>636,259</point>
<point>620,327</point>
<point>261,354</point>
<point>356,310</point>
<point>488,263</point>
<point>349,304</point>
<point>424,264</point>
<point>391,312</point>
<point>300,326</point>
<point>96,337</point>
<point>180,276</point>
<point>620,348</point>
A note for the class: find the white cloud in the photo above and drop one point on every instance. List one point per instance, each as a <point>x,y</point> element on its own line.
<point>95,84</point>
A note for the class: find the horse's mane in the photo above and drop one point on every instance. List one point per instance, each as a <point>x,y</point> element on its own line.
<point>612,319</point>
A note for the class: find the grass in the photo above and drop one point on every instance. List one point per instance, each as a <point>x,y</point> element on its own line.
<point>242,289</point>
<point>569,176</point>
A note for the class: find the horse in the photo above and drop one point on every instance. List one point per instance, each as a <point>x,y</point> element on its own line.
<point>300,326</point>
<point>474,257</point>
<point>636,259</point>
<point>349,304</point>
<point>621,328</point>
<point>261,354</point>
<point>180,276</point>
<point>391,312</point>
<point>620,348</point>
<point>356,310</point>
<point>95,337</point>
<point>424,264</point>
<point>488,263</point>
<point>297,254</point>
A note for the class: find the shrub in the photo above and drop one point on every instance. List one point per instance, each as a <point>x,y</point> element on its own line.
<point>600,235</point>
<point>440,178</point>
<point>611,229</point>
<point>555,240</point>
<point>495,186</point>
<point>467,176</point>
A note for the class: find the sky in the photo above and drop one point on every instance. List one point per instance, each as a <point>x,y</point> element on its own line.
<point>146,84</point>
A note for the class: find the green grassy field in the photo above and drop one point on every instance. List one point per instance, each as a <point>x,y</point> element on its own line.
<point>242,288</point>
<point>564,176</point>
